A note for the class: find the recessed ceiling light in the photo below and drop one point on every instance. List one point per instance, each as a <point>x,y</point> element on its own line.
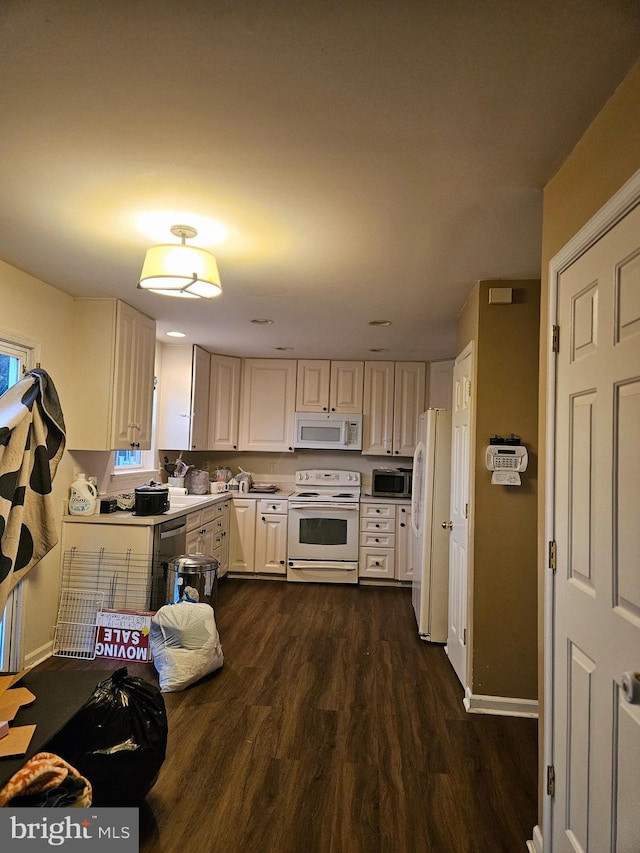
<point>262,322</point>
<point>282,348</point>
<point>175,334</point>
<point>380,322</point>
<point>378,349</point>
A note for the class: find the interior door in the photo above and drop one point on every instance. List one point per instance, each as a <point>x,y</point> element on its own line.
<point>456,647</point>
<point>596,731</point>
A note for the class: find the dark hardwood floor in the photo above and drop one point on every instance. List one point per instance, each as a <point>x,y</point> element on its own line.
<point>332,728</point>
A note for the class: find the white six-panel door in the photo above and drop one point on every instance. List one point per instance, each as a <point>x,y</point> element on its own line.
<point>456,647</point>
<point>596,731</point>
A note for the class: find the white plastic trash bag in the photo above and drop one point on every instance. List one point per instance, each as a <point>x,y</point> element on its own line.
<point>185,644</point>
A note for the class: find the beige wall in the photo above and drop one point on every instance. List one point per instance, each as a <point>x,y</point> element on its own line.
<point>39,315</point>
<point>606,157</point>
<point>503,566</point>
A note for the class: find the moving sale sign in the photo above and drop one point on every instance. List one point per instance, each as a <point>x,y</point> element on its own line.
<point>124,635</point>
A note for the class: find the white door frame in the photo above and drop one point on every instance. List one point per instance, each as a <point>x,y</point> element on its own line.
<point>613,211</point>
<point>469,352</point>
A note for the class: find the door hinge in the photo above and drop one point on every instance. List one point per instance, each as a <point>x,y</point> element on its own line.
<point>555,339</point>
<point>551,780</point>
<point>464,637</point>
<point>466,510</point>
<point>552,554</point>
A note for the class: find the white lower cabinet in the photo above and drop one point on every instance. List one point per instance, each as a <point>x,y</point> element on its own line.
<point>271,544</point>
<point>208,533</point>
<point>404,537</point>
<point>385,542</point>
<point>259,536</point>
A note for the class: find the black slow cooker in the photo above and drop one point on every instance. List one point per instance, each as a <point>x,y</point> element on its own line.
<point>151,500</point>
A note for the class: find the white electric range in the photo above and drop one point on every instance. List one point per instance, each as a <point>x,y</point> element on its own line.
<point>324,512</point>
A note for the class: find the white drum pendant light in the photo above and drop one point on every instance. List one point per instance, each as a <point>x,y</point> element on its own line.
<point>181,270</point>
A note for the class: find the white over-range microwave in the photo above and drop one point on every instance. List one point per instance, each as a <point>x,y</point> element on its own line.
<point>319,431</point>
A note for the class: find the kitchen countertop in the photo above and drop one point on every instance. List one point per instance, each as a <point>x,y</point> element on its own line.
<point>367,498</point>
<point>179,505</point>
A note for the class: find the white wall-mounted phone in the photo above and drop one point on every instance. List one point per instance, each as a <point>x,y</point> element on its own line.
<point>507,462</point>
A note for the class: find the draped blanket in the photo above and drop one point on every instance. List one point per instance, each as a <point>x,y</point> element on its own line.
<point>32,440</point>
<point>45,781</point>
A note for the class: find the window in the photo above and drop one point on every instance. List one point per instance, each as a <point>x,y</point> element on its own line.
<point>15,360</point>
<point>128,459</point>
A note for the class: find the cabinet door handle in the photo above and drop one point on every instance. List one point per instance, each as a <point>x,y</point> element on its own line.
<point>282,562</point>
<point>402,524</point>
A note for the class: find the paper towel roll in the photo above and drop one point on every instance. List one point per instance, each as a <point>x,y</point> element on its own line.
<point>631,687</point>
<point>175,490</point>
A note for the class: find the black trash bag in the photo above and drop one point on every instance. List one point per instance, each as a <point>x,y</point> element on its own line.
<point>117,740</point>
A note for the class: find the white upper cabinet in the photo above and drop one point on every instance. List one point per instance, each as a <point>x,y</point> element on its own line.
<point>224,402</point>
<point>112,401</point>
<point>377,423</point>
<point>409,403</point>
<point>267,404</point>
<point>329,386</point>
<point>183,404</point>
<point>312,391</point>
<point>346,387</point>
<point>394,397</point>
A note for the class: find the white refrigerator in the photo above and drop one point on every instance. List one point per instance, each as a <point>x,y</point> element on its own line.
<point>429,509</point>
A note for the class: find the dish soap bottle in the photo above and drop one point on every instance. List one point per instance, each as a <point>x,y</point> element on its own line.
<point>83,498</point>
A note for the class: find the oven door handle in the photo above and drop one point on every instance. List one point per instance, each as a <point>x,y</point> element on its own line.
<point>352,507</point>
<point>323,565</point>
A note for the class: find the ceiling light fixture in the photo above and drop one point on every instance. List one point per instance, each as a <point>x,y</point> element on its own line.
<point>262,322</point>
<point>175,334</point>
<point>180,270</point>
<point>379,322</point>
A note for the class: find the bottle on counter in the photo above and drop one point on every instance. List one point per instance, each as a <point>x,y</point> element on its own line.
<point>83,498</point>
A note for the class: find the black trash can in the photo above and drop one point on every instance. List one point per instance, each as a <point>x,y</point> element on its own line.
<point>196,571</point>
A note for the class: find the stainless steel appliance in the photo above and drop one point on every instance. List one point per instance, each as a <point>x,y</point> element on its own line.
<point>170,540</point>
<point>429,510</point>
<point>334,431</point>
<point>190,572</point>
<point>391,482</point>
<point>324,513</point>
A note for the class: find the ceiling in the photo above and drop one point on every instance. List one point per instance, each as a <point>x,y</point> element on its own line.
<point>370,159</point>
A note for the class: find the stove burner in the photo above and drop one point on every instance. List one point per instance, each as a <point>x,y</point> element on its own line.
<point>307,494</point>
<point>343,495</point>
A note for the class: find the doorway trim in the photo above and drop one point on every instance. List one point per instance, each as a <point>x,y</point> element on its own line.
<point>624,200</point>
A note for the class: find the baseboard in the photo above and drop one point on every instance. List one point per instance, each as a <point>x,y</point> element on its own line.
<point>38,655</point>
<point>535,846</point>
<point>504,706</point>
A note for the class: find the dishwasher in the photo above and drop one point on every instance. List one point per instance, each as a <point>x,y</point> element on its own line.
<point>170,540</point>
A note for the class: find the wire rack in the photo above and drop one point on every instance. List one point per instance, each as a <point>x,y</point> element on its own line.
<point>124,578</point>
<point>93,580</point>
<point>76,628</point>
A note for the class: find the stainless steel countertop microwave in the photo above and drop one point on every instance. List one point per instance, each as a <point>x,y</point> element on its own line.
<point>391,482</point>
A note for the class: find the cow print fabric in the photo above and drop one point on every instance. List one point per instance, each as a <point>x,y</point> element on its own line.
<point>32,441</point>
